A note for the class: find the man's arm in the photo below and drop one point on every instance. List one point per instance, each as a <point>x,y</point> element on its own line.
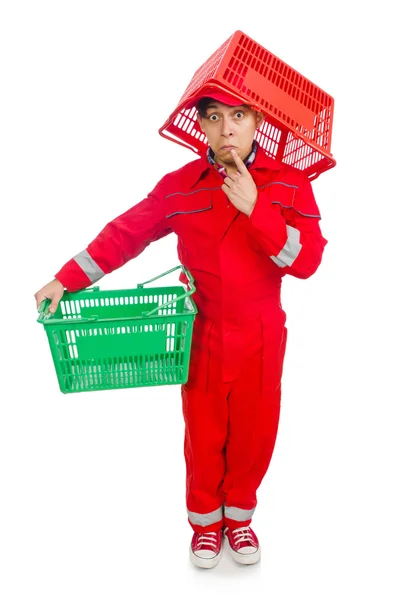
<point>285,223</point>
<point>283,218</point>
<point>121,240</point>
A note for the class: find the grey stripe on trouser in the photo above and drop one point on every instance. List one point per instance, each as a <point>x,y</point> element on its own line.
<point>292,247</point>
<point>89,266</point>
<point>238,514</point>
<point>206,518</point>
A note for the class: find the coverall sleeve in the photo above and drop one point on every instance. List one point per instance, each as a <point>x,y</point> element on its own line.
<point>285,223</point>
<point>121,240</point>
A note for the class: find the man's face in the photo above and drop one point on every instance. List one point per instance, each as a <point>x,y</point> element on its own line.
<point>228,127</point>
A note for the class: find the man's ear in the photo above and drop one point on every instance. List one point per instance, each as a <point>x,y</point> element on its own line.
<point>259,119</point>
<point>200,121</point>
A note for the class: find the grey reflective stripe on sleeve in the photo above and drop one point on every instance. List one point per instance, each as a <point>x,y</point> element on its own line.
<point>238,514</point>
<point>291,249</point>
<point>89,266</point>
<point>206,518</point>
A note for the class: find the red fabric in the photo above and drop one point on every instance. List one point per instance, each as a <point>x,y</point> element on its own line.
<point>231,402</point>
<point>222,97</point>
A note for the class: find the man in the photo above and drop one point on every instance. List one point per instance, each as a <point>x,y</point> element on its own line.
<point>243,221</point>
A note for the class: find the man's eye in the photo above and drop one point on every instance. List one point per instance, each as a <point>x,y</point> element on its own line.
<point>213,117</point>
<point>239,114</point>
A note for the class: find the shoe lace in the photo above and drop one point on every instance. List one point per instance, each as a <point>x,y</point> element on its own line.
<point>243,534</point>
<point>207,539</point>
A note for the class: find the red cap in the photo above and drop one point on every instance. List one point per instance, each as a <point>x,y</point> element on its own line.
<point>216,94</point>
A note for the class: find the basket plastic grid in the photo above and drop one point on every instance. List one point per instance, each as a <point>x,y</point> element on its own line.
<point>297,129</point>
<point>114,339</point>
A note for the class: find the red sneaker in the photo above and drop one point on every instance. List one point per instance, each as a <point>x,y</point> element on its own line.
<point>244,545</point>
<point>205,549</point>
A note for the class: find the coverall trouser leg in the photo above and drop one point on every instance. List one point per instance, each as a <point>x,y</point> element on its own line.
<point>231,428</point>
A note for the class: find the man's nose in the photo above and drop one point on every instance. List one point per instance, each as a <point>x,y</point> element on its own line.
<point>227,127</point>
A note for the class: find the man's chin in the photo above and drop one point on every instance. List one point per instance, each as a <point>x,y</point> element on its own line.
<point>225,154</point>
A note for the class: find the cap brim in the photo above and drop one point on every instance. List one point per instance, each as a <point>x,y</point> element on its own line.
<point>219,96</point>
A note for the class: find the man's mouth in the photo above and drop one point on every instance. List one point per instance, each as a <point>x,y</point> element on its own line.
<point>228,148</point>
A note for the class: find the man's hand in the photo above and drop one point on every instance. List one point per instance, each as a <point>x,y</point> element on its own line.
<point>53,291</point>
<point>240,188</point>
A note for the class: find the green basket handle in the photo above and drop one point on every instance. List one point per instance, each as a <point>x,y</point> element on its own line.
<point>45,315</point>
<point>191,290</point>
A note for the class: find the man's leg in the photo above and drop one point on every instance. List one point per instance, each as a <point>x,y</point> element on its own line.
<point>254,410</point>
<point>205,411</point>
<point>206,419</point>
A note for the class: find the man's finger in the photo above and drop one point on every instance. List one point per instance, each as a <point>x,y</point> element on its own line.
<point>233,176</point>
<point>239,163</point>
<point>39,300</point>
<point>54,302</point>
<point>226,189</point>
<point>53,306</point>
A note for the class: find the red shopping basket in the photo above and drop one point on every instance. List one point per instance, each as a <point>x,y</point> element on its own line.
<point>297,128</point>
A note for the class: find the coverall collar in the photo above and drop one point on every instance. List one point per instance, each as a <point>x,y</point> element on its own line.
<point>262,161</point>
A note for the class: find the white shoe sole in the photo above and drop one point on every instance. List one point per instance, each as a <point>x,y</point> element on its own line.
<point>204,563</point>
<point>245,559</point>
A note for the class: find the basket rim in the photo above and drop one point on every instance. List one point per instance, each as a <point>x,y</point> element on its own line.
<point>93,293</point>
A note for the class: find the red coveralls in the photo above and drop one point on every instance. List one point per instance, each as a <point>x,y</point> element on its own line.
<point>231,402</point>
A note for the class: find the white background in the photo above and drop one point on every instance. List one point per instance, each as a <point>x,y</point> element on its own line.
<point>92,485</point>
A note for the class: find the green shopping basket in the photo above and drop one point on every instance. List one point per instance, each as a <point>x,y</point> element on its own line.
<point>114,339</point>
